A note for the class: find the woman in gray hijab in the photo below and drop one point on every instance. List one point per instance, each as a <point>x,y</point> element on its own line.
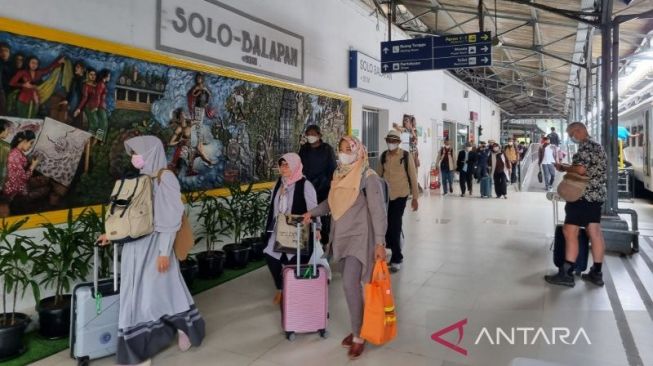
<point>155,305</point>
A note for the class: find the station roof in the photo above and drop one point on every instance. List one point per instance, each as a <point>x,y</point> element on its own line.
<point>536,68</point>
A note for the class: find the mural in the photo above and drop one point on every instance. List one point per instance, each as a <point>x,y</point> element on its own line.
<point>81,105</point>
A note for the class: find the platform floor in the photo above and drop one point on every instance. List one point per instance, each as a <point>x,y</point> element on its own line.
<point>466,258</point>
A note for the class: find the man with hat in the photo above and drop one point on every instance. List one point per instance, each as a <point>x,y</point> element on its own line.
<point>398,169</point>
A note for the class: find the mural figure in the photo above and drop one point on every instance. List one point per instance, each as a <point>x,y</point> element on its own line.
<point>198,100</point>
<point>32,91</point>
<point>188,143</point>
<point>75,94</point>
<point>5,72</point>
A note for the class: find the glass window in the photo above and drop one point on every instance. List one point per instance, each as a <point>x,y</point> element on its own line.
<point>370,135</point>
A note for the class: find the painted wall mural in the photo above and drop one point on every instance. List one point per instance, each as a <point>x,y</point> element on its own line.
<point>81,105</point>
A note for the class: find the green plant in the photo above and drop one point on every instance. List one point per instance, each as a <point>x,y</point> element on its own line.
<point>92,224</point>
<point>63,256</point>
<point>234,210</point>
<point>15,251</point>
<point>209,219</point>
<point>256,213</point>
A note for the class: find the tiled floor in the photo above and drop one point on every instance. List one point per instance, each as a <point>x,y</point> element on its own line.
<point>466,258</point>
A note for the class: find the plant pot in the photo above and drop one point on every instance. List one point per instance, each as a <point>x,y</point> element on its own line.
<point>189,269</point>
<point>54,320</point>
<point>257,246</point>
<point>11,337</point>
<point>237,255</point>
<point>210,264</point>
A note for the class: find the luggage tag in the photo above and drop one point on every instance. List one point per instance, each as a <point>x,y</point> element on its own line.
<point>98,303</point>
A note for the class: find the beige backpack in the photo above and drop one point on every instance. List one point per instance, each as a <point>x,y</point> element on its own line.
<point>130,214</point>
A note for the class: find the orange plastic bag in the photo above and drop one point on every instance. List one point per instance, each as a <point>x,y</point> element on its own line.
<point>379,317</point>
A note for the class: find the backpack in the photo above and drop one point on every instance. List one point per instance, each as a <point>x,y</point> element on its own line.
<point>404,158</point>
<point>386,190</point>
<point>131,209</point>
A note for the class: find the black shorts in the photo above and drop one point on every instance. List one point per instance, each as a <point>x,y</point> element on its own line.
<point>582,213</point>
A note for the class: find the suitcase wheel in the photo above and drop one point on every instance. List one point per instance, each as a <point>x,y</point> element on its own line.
<point>324,333</point>
<point>83,361</point>
<point>290,336</point>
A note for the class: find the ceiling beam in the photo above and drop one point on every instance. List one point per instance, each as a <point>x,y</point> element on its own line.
<point>590,18</point>
<point>461,9</point>
<point>541,50</point>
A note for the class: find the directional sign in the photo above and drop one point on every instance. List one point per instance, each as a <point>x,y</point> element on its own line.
<point>434,53</point>
<point>458,62</point>
<point>466,38</point>
<point>410,49</point>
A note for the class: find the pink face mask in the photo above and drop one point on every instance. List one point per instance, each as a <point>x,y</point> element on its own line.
<point>138,162</point>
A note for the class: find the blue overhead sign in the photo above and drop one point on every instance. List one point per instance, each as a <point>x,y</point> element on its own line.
<point>435,53</point>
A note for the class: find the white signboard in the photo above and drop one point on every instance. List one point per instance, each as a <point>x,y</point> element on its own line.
<point>365,74</point>
<point>211,31</point>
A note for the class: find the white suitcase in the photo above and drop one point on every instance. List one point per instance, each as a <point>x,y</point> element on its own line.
<point>94,315</point>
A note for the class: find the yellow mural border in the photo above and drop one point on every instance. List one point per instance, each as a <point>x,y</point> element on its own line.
<point>54,35</point>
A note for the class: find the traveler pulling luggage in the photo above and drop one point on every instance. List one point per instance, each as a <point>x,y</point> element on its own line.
<point>94,315</point>
<point>305,294</point>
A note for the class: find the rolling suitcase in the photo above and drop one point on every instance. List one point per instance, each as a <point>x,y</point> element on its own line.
<point>94,315</point>
<point>305,296</point>
<point>559,246</point>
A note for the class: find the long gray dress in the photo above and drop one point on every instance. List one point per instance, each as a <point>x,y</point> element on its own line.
<point>153,305</point>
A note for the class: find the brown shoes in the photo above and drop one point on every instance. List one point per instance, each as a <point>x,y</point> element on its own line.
<point>356,350</point>
<point>348,341</point>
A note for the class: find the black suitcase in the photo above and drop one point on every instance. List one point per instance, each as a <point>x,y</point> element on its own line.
<point>559,250</point>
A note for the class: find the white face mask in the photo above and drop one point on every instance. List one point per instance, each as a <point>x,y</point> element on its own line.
<point>312,139</point>
<point>393,146</point>
<point>468,149</point>
<point>346,159</point>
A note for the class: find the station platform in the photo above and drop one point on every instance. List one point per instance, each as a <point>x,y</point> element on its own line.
<point>470,261</point>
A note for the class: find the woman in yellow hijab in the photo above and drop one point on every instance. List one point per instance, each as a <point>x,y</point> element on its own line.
<point>357,203</point>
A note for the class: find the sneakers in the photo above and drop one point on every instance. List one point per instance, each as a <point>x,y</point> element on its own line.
<point>560,279</point>
<point>593,277</point>
<point>395,267</point>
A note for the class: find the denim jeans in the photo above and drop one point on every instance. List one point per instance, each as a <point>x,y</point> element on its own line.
<point>549,175</point>
<point>447,181</point>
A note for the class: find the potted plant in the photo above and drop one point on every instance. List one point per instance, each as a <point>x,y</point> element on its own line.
<point>189,267</point>
<point>233,211</point>
<point>255,221</point>
<point>16,278</point>
<point>93,224</point>
<point>210,262</point>
<point>62,258</point>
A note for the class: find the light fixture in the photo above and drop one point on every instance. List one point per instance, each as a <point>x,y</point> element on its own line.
<point>530,92</point>
<point>496,42</point>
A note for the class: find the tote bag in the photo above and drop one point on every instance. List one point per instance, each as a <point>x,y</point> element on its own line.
<point>379,316</point>
<point>286,234</point>
<point>572,188</point>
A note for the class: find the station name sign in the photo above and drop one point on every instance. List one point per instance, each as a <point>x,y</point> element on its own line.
<point>211,31</point>
<point>365,74</point>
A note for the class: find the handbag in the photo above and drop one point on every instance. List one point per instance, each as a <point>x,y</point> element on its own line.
<point>286,234</point>
<point>184,239</point>
<point>572,187</point>
<point>379,316</point>
<point>539,176</point>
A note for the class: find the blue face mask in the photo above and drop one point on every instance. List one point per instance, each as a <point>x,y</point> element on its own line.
<point>574,140</point>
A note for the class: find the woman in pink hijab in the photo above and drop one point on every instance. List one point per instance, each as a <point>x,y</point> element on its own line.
<point>292,195</point>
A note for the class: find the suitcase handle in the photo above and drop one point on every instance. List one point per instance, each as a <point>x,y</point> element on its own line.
<point>96,275</point>
<point>315,242</point>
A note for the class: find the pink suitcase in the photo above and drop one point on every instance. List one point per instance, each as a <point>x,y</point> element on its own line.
<point>305,296</point>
